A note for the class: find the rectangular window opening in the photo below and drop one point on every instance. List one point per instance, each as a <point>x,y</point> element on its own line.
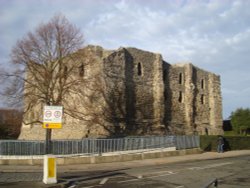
<point>180,99</point>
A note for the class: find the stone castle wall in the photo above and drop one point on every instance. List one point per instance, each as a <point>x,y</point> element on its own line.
<point>135,92</point>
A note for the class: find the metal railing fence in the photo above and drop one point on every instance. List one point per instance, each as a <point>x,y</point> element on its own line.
<point>98,146</point>
<point>187,142</point>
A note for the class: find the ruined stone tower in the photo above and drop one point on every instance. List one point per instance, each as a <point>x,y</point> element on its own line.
<point>138,93</point>
<point>192,100</point>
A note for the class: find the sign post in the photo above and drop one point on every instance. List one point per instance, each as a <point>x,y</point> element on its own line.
<point>52,119</point>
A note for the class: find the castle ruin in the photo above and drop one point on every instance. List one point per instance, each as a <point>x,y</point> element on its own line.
<point>138,94</point>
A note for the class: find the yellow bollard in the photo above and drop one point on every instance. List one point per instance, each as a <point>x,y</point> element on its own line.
<point>49,169</point>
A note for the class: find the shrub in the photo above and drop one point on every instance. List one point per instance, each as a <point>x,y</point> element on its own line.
<point>209,143</point>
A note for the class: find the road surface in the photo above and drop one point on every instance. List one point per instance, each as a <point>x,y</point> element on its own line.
<point>231,173</point>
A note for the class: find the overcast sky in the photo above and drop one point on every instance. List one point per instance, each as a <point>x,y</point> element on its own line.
<point>213,35</point>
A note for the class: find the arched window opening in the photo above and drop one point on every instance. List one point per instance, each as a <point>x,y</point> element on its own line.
<point>180,78</point>
<point>139,71</point>
<point>206,131</point>
<point>81,70</point>
<point>180,99</point>
<point>65,72</point>
<point>202,84</point>
<point>202,99</point>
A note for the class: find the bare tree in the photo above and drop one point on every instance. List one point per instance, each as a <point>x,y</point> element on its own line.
<point>49,68</point>
<point>42,55</point>
<point>40,72</point>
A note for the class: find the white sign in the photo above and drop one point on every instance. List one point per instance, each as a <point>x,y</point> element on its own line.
<point>52,116</point>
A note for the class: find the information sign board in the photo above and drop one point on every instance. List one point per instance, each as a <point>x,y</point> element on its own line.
<point>52,117</point>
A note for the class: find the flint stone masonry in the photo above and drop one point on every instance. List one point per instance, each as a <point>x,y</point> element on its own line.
<point>141,94</point>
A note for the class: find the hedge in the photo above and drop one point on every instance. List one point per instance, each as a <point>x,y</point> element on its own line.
<point>209,143</point>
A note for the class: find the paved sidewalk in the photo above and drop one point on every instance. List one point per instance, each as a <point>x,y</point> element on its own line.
<point>149,162</point>
<point>117,165</point>
<point>31,176</point>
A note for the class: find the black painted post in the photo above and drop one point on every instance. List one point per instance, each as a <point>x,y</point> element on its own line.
<point>48,141</point>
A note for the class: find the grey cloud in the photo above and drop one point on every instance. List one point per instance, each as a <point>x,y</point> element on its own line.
<point>214,35</point>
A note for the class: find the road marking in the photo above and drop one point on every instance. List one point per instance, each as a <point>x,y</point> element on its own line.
<point>128,180</point>
<point>162,172</point>
<point>104,180</point>
<point>139,176</point>
<point>158,172</point>
<point>210,166</point>
<point>72,186</point>
<point>163,175</point>
<point>195,168</point>
<point>179,186</point>
<point>168,174</point>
